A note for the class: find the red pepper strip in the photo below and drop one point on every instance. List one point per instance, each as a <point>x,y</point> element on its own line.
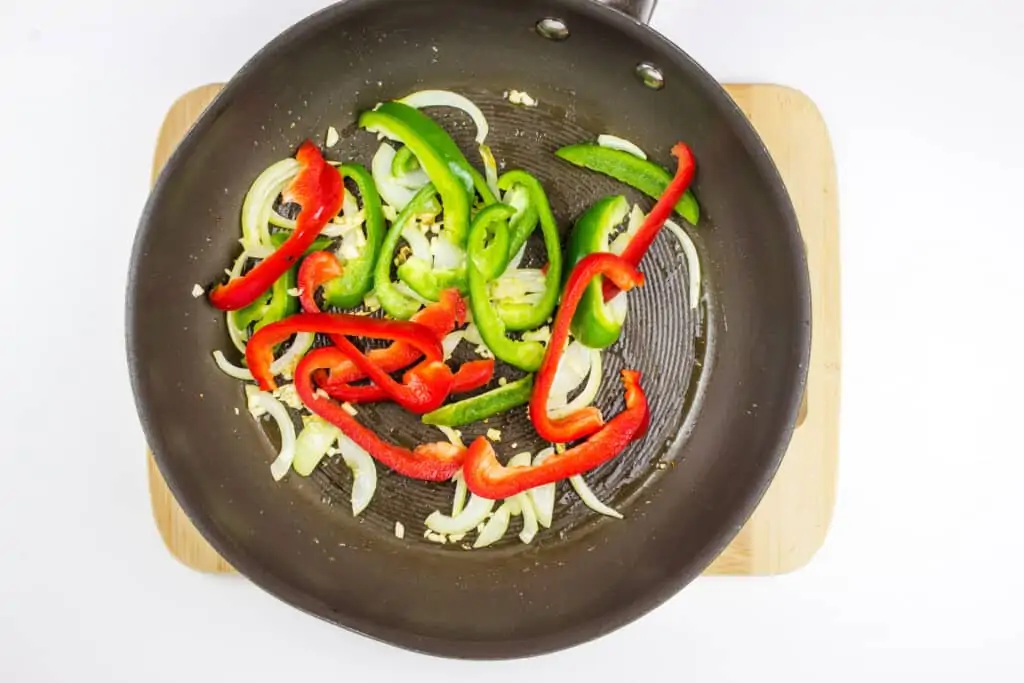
<point>259,351</point>
<point>440,317</point>
<point>587,420</point>
<point>430,462</point>
<point>666,204</point>
<point>319,189</point>
<point>317,269</point>
<point>471,375</point>
<point>488,478</point>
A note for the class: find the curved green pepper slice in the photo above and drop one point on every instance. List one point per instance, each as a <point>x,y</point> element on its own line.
<point>525,219</point>
<point>483,406</point>
<point>428,282</point>
<point>393,301</point>
<point>438,155</point>
<point>480,259</point>
<point>640,174</point>
<point>520,317</point>
<point>348,290</point>
<point>595,324</point>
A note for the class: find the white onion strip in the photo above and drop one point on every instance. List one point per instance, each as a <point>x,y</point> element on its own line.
<point>259,201</point>
<point>312,444</point>
<point>451,342</point>
<point>285,365</point>
<point>461,491</point>
<point>543,497</point>
<point>229,369</point>
<point>495,527</point>
<point>490,169</point>
<point>692,261</point>
<point>589,393</point>
<point>591,500</point>
<point>364,472</point>
<point>621,144</point>
<point>261,403</point>
<point>418,242</point>
<point>572,369</point>
<point>391,191</point>
<point>469,518</point>
<point>447,98</point>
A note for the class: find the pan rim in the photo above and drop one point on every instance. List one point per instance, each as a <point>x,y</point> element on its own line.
<point>584,630</point>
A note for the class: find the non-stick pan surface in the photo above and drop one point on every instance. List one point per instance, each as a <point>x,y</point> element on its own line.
<point>724,380</point>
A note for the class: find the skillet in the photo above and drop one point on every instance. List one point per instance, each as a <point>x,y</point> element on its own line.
<point>724,380</point>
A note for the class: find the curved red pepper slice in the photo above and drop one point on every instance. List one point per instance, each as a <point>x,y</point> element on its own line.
<point>316,270</point>
<point>320,191</point>
<point>586,420</point>
<point>666,204</point>
<point>471,375</point>
<point>429,462</point>
<point>487,477</point>
<point>259,351</point>
<point>440,317</point>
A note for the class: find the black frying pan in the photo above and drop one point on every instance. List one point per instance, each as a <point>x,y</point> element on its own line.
<point>725,383</point>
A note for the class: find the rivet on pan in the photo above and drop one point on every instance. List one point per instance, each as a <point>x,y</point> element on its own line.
<point>553,29</point>
<point>650,75</point>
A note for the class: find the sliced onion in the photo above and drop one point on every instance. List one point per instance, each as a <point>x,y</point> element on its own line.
<point>352,244</point>
<point>453,435</point>
<point>490,168</point>
<point>636,219</point>
<point>285,365</point>
<point>316,438</point>
<point>238,337</point>
<point>391,191</point>
<point>572,370</point>
<point>259,201</point>
<point>541,334</point>
<point>364,472</point>
<point>230,369</point>
<point>446,98</point>
<point>349,205</point>
<point>446,255</point>
<point>523,503</point>
<point>543,497</point>
<point>515,285</point>
<point>261,403</point>
<point>418,242</point>
<point>472,335</point>
<point>591,500</point>
<point>469,518</point>
<point>461,491</point>
<point>517,259</point>
<point>589,393</point>
<point>495,527</point>
<point>621,144</point>
<point>692,261</point>
<point>451,342</point>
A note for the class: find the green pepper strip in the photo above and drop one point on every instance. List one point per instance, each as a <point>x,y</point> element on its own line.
<point>404,162</point>
<point>429,283</point>
<point>356,279</point>
<point>394,302</point>
<point>643,175</point>
<point>594,325</point>
<point>524,222</point>
<point>278,304</point>
<point>438,155</point>
<point>520,317</point>
<point>483,406</point>
<point>523,355</point>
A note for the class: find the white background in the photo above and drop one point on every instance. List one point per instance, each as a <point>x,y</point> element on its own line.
<point>921,574</point>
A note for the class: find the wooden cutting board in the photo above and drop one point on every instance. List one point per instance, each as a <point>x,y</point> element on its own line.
<point>793,518</point>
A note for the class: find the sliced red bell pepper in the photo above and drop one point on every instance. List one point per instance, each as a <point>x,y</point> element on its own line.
<point>470,376</point>
<point>666,204</point>
<point>316,270</point>
<point>440,317</point>
<point>319,190</point>
<point>488,478</point>
<point>586,420</point>
<point>259,351</point>
<point>429,462</point>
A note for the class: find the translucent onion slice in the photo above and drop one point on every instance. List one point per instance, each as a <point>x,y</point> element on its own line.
<point>589,393</point>
<point>261,403</point>
<point>524,503</point>
<point>591,500</point>
<point>446,98</point>
<point>469,518</point>
<point>285,365</point>
<point>418,242</point>
<point>316,438</point>
<point>543,497</point>
<point>364,472</point>
<point>391,191</point>
<point>461,491</point>
<point>517,259</point>
<point>621,144</point>
<point>692,261</point>
<point>446,254</point>
<point>490,168</point>
<point>230,369</point>
<point>472,335</point>
<point>238,337</point>
<point>516,284</point>
<point>495,527</point>
<point>259,201</point>
<point>450,343</point>
<point>572,370</point>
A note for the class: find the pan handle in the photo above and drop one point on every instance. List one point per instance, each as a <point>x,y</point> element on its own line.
<point>641,10</point>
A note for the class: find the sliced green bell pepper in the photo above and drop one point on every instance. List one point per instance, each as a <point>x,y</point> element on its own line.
<point>428,282</point>
<point>483,406</point>
<point>524,222</point>
<point>640,174</point>
<point>594,324</point>
<point>480,259</point>
<point>404,162</point>
<point>438,155</point>
<point>520,317</point>
<point>356,279</point>
<point>393,301</point>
